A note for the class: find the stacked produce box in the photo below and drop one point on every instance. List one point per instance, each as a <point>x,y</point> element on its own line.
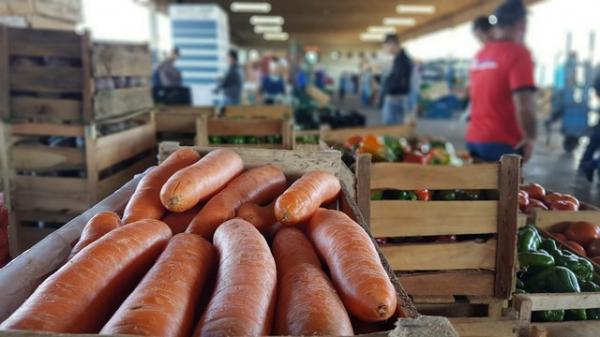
<point>78,124</point>
<point>41,14</point>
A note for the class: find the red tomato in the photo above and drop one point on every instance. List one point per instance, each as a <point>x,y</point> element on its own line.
<point>353,142</point>
<point>523,202</point>
<point>593,248</point>
<point>596,259</point>
<point>535,191</point>
<point>560,236</point>
<point>524,194</point>
<point>582,232</point>
<point>534,203</point>
<point>563,205</point>
<point>551,198</point>
<point>568,197</point>
<point>576,247</point>
<point>423,195</point>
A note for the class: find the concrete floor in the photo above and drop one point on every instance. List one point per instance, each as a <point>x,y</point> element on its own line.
<point>550,165</point>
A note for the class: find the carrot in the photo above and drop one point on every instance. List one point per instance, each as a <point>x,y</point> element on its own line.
<point>179,222</point>
<point>145,202</point>
<point>199,181</point>
<point>164,303</point>
<point>81,296</point>
<point>354,264</point>
<point>98,226</point>
<point>243,299</point>
<point>263,218</point>
<point>259,185</point>
<point>307,303</point>
<point>301,200</point>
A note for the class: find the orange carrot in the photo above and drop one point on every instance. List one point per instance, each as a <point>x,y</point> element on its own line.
<point>164,303</point>
<point>145,202</point>
<point>243,299</point>
<point>307,303</point>
<point>82,295</point>
<point>179,222</point>
<point>301,200</point>
<point>258,185</point>
<point>354,264</point>
<point>97,227</point>
<point>197,182</point>
<point>263,218</point>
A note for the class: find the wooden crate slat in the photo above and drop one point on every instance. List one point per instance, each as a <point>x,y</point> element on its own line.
<point>40,158</point>
<point>109,185</point>
<point>339,136</point>
<point>167,121</point>
<point>449,283</point>
<point>68,10</point>
<point>44,42</point>
<point>563,301</point>
<point>117,147</point>
<point>4,73</point>
<point>426,218</point>
<point>570,329</point>
<point>488,327</point>
<point>47,79</point>
<point>54,217</point>
<point>267,111</point>
<point>50,185</point>
<point>442,256</point>
<point>121,101</point>
<point>404,176</point>
<point>46,109</point>
<point>110,60</point>
<point>547,220</point>
<point>237,127</point>
<point>25,201</point>
<point>47,129</point>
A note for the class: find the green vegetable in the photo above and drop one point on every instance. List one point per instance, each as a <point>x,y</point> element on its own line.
<point>520,284</point>
<point>554,279</point>
<point>529,240</point>
<point>237,140</point>
<point>251,140</point>
<point>400,195</point>
<point>377,195</point>
<point>583,269</point>
<point>575,315</point>
<point>519,291</point>
<point>589,286</point>
<point>549,315</point>
<point>215,140</point>
<point>549,245</point>
<point>535,259</point>
<point>448,195</point>
<point>593,314</point>
<point>471,195</point>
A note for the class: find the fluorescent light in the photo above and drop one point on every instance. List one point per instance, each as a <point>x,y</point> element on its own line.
<point>267,29</point>
<point>372,37</point>
<point>381,29</point>
<point>416,9</point>
<point>266,20</point>
<point>399,21</point>
<point>250,7</point>
<point>276,36</point>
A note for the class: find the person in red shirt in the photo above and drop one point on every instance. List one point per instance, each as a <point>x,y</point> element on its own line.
<point>502,90</point>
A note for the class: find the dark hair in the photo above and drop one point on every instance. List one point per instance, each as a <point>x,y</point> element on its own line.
<point>482,23</point>
<point>391,39</point>
<point>175,51</point>
<point>233,54</point>
<point>510,12</point>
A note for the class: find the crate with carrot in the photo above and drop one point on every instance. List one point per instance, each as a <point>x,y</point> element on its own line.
<point>316,270</point>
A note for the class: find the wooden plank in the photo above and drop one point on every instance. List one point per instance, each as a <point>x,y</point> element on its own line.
<point>485,327</point>
<point>43,22</point>
<point>508,208</point>
<point>40,158</point>
<point>117,147</point>
<point>176,123</point>
<point>552,220</point>
<point>68,10</point>
<point>287,135</point>
<point>44,43</point>
<point>363,187</point>
<point>441,256</point>
<point>46,109</point>
<point>201,131</point>
<point>396,218</point>
<point>29,201</point>
<point>114,59</point>
<point>266,111</point>
<point>47,79</point>
<point>53,217</point>
<point>562,301</point>
<point>4,73</point>
<point>339,136</point>
<point>86,79</point>
<point>47,129</point>
<point>244,127</point>
<point>404,176</point>
<point>114,182</point>
<point>449,283</point>
<point>570,329</point>
<point>108,103</point>
<point>348,179</point>
<point>7,173</point>
<point>50,185</point>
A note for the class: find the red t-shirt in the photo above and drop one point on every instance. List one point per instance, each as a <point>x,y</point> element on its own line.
<point>499,69</point>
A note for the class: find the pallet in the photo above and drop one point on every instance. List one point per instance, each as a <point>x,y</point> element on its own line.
<point>61,77</point>
<point>465,268</point>
<point>71,178</point>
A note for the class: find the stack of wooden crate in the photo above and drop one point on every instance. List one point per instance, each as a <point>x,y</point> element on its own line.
<point>42,14</point>
<point>78,124</point>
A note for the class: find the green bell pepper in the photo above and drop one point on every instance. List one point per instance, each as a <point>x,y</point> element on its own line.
<point>251,140</point>
<point>535,259</point>
<point>549,315</point>
<point>215,140</point>
<point>520,284</point>
<point>519,291</point>
<point>576,315</point>
<point>400,195</point>
<point>593,313</point>
<point>448,195</point>
<point>583,269</point>
<point>589,286</point>
<point>549,245</point>
<point>470,195</point>
<point>554,279</point>
<point>377,195</point>
<point>529,240</point>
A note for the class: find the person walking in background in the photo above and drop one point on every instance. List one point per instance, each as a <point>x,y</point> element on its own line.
<point>502,90</point>
<point>482,29</point>
<point>366,85</point>
<point>231,84</point>
<point>272,87</point>
<point>589,163</point>
<point>397,83</point>
<point>343,85</point>
<point>166,75</point>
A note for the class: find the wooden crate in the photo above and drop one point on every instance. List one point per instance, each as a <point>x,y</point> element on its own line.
<point>69,179</point>
<point>61,77</point>
<point>331,137</point>
<point>178,123</point>
<point>259,111</point>
<point>207,127</point>
<point>68,11</point>
<point>465,268</point>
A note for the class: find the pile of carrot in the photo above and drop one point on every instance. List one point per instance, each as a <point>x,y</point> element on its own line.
<point>207,249</point>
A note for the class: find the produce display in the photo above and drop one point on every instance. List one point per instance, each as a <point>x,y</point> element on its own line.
<point>534,196</point>
<point>224,251</point>
<point>545,267</point>
<point>243,140</point>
